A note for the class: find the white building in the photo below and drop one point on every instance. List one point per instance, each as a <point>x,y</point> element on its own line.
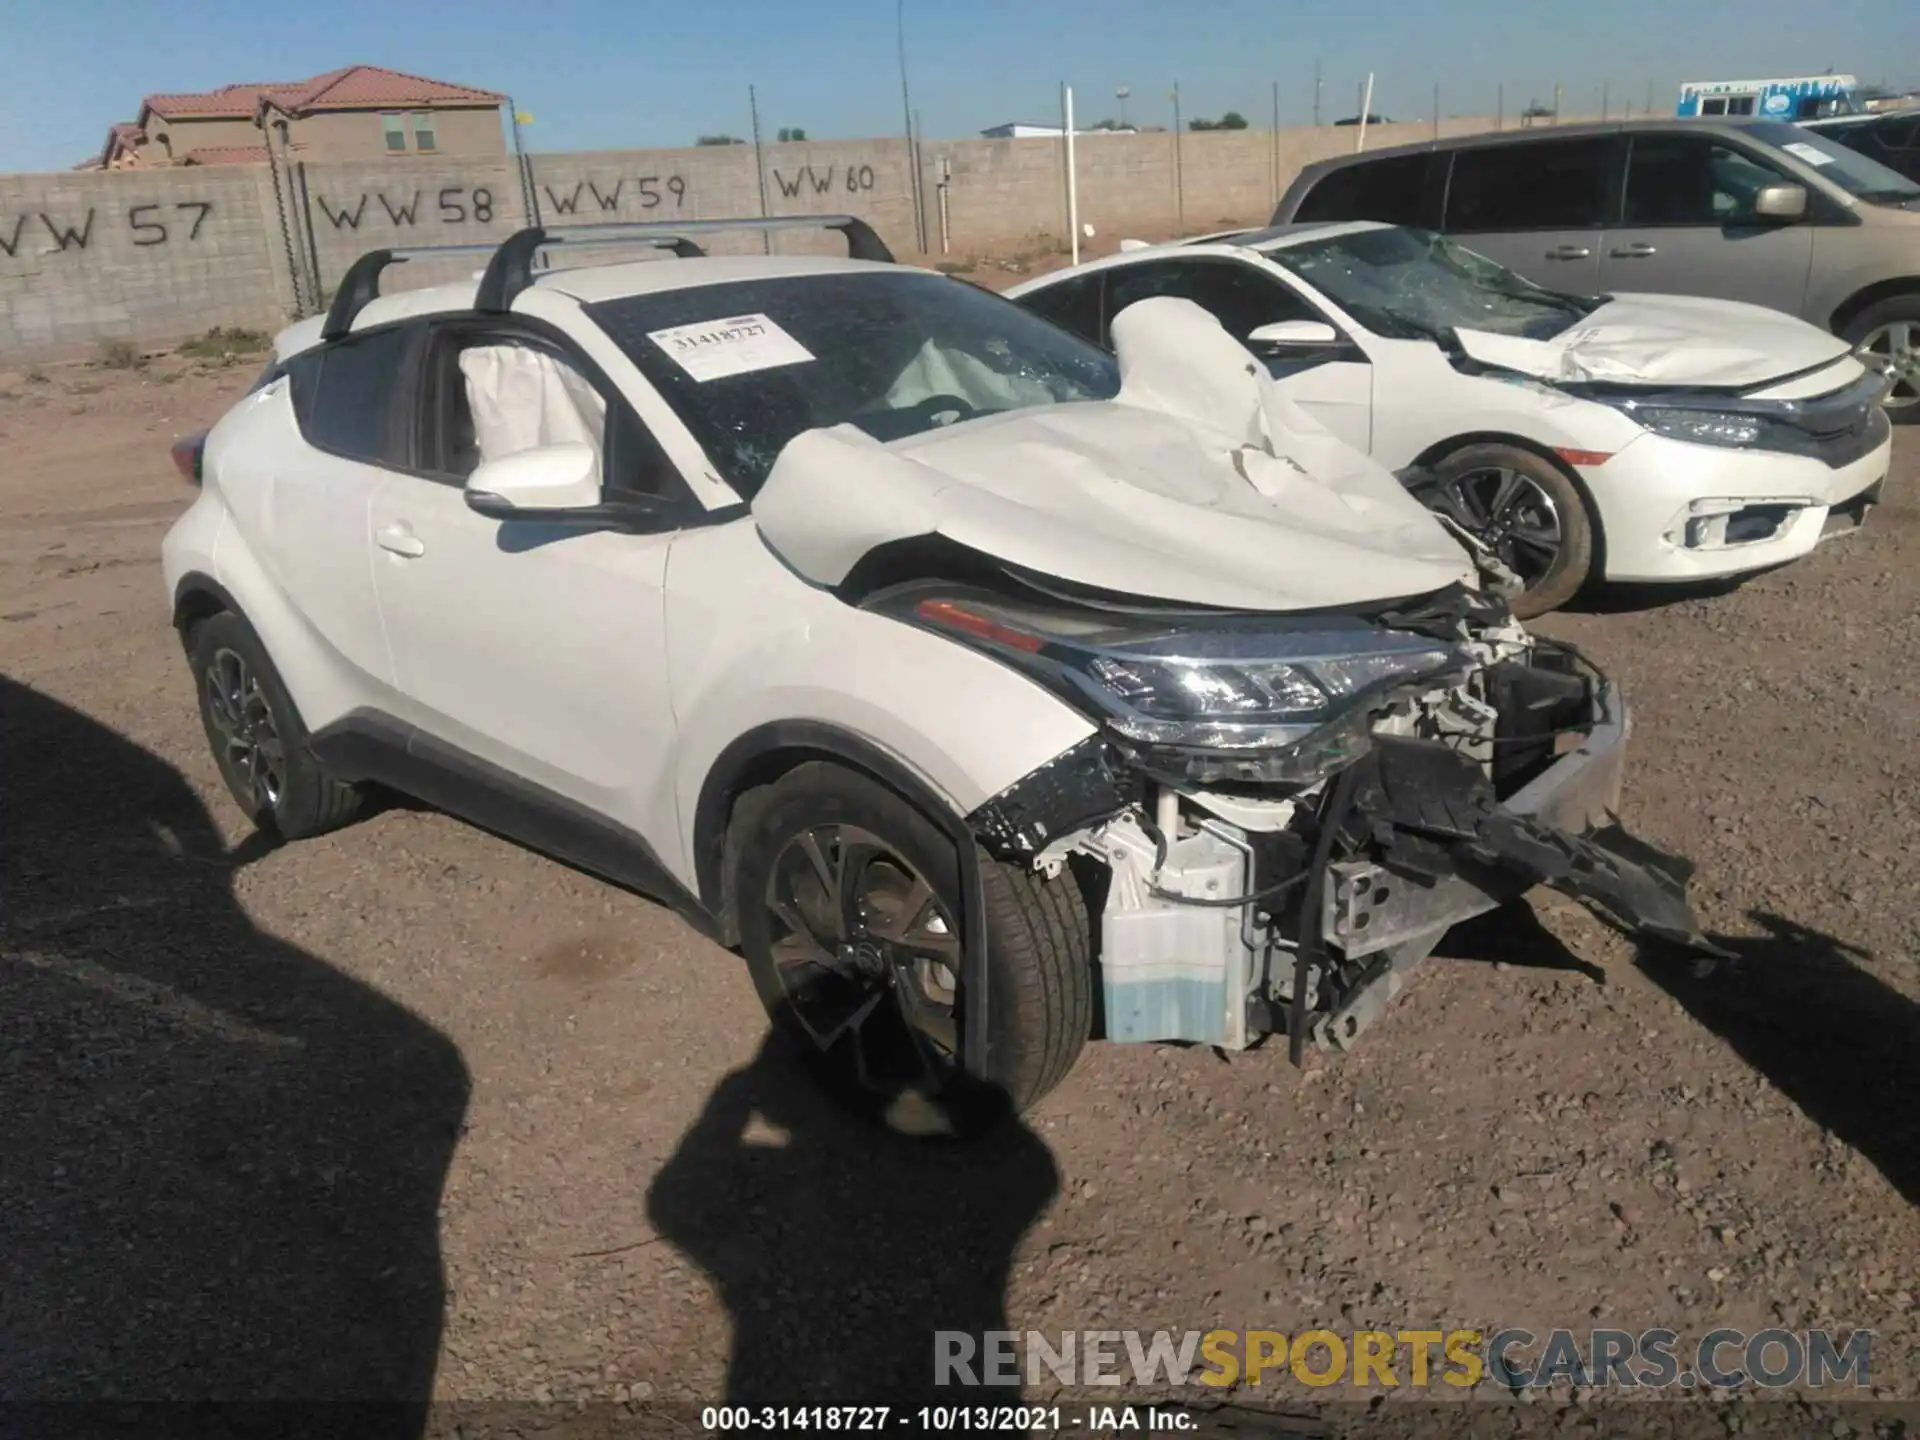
<point>1021,130</point>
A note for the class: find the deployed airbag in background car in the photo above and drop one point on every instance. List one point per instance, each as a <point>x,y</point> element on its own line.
<point>1200,483</point>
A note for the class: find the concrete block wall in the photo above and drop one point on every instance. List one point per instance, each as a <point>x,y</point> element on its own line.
<point>155,256</point>
<point>141,256</point>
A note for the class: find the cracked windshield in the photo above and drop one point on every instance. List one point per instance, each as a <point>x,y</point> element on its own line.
<point>1412,285</point>
<point>750,365</point>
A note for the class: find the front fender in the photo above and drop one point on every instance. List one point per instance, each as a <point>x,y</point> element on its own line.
<point>963,725</point>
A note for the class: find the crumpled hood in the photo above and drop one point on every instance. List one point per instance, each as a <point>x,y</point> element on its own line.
<point>1673,340</point>
<point>1199,483</point>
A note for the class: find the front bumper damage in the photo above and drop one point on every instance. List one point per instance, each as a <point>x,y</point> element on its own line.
<point>1223,905</point>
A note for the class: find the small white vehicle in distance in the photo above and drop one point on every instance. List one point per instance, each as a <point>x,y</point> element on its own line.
<point>1619,437</point>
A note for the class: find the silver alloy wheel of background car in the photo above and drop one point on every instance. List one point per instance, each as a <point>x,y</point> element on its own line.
<point>1506,511</point>
<point>868,955</point>
<point>250,743</point>
<point>1895,347</point>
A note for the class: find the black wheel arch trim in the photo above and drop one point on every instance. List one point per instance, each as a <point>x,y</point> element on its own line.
<point>734,771</point>
<point>191,587</point>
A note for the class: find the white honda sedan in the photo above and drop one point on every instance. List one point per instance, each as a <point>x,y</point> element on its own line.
<point>1619,437</point>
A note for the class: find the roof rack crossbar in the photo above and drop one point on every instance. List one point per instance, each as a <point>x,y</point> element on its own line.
<point>510,266</point>
<point>511,269</point>
<point>360,286</point>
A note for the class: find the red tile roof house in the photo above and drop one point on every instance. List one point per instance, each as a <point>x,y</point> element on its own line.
<point>362,112</point>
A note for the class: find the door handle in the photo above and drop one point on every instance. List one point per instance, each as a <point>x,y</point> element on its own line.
<point>1633,252</point>
<point>400,540</point>
<point>1569,252</point>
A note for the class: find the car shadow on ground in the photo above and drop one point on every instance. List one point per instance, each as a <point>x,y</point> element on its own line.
<point>223,1157</point>
<point>839,1248</point>
<point>1793,1003</point>
<point>1621,597</point>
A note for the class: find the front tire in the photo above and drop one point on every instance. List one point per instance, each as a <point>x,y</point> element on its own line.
<point>1887,335</point>
<point>1523,508</point>
<point>258,741</point>
<point>850,918</point>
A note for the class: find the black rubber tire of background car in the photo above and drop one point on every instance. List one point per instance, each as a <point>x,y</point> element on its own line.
<point>1886,312</point>
<point>1039,971</point>
<point>309,800</point>
<point>1574,564</point>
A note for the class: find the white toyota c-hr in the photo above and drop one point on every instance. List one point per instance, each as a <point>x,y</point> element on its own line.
<point>988,692</point>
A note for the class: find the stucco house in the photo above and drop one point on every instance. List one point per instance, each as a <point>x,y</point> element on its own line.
<point>360,112</point>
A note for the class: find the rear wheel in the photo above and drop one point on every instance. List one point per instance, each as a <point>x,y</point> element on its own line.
<point>1525,510</point>
<point>258,741</point>
<point>851,921</point>
<point>1887,336</point>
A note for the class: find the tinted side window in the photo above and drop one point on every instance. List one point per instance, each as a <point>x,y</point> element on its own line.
<point>1551,185</point>
<point>1389,191</point>
<point>346,396</point>
<point>1073,305</point>
<point>1240,297</point>
<point>1690,180</point>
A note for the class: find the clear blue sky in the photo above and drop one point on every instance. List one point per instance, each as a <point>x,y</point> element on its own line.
<point>595,73</point>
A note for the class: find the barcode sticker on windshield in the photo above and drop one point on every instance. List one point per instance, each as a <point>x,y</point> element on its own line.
<point>1807,153</point>
<point>738,345</point>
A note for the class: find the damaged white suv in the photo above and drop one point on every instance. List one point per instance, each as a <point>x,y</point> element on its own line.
<point>986,691</point>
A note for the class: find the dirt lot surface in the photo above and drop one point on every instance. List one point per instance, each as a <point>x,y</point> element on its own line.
<point>410,1110</point>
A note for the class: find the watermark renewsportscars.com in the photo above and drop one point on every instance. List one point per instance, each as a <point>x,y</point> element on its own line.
<point>1514,1359</point>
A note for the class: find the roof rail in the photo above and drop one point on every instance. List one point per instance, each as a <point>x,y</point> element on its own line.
<point>511,269</point>
<point>511,266</point>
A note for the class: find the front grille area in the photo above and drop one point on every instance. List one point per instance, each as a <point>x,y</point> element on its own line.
<point>1842,427</point>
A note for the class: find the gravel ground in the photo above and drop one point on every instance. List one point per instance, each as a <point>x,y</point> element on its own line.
<point>409,1111</point>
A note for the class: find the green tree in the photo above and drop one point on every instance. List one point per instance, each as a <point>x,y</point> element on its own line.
<point>792,132</point>
<point>1232,120</point>
<point>719,140</point>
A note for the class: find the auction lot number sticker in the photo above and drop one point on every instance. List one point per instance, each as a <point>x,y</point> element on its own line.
<point>738,345</point>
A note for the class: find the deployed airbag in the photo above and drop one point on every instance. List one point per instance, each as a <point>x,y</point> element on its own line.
<point>1199,482</point>
<point>522,398</point>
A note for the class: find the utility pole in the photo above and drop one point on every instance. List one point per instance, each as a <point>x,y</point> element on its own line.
<point>760,167</point>
<point>1274,145</point>
<point>1556,102</point>
<point>1500,108</point>
<point>1179,180</point>
<point>906,116</point>
<point>1316,94</point>
<point>1606,97</point>
<point>1436,111</point>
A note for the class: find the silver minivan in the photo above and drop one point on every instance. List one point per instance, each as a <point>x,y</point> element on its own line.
<point>1761,211</point>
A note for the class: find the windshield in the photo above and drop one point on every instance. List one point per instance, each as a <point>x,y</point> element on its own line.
<point>1861,177</point>
<point>1414,285</point>
<point>750,364</point>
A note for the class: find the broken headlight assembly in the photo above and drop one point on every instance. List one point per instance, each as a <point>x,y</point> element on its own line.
<point>1206,697</point>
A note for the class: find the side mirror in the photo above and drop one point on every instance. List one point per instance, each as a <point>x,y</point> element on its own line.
<point>1781,202</point>
<point>1295,332</point>
<point>548,481</point>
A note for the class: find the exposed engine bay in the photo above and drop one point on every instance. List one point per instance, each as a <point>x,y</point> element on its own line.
<point>1291,887</point>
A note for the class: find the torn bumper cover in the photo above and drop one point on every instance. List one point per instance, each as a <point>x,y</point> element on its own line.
<point>1348,888</point>
<point>1558,830</point>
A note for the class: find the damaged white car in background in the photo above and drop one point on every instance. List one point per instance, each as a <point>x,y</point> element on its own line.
<point>903,641</point>
<point>1624,437</point>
